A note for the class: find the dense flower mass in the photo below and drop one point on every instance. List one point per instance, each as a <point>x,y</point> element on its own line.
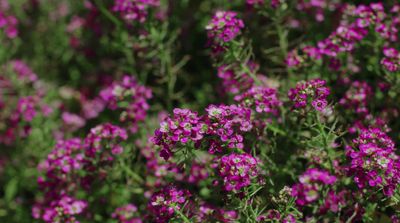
<point>234,82</point>
<point>391,61</point>
<point>353,28</point>
<point>229,123</point>
<point>310,185</point>
<point>185,126</point>
<point>356,97</point>
<point>106,132</point>
<point>8,25</point>
<point>61,166</point>
<point>129,96</point>
<point>374,163</point>
<point>223,28</point>
<point>261,99</point>
<point>126,214</point>
<point>166,203</point>
<point>136,111</point>
<point>134,9</point>
<point>23,71</point>
<point>237,171</point>
<point>312,92</point>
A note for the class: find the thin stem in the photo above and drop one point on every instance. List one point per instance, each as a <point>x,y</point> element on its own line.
<point>184,218</point>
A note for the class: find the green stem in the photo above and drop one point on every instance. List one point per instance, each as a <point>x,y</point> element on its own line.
<point>184,218</point>
<point>325,140</point>
<point>99,4</point>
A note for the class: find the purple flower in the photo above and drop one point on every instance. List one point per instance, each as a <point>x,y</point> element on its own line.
<point>391,61</point>
<point>374,163</point>
<point>129,96</point>
<point>234,81</point>
<point>126,214</point>
<point>107,134</point>
<point>229,123</point>
<point>26,108</point>
<point>237,171</point>
<point>356,98</point>
<point>72,121</point>
<point>223,28</point>
<point>9,23</point>
<point>313,90</point>
<point>134,10</point>
<point>163,204</point>
<point>23,71</point>
<point>310,185</point>
<point>261,99</point>
<point>184,127</point>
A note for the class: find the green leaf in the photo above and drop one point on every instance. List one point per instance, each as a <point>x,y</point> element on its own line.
<point>11,189</point>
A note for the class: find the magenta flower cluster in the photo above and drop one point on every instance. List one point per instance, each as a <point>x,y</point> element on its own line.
<point>312,92</point>
<point>185,125</point>
<point>310,184</point>
<point>199,111</point>
<point>134,10</point>
<point>164,204</point>
<point>234,82</point>
<point>62,210</point>
<point>391,61</point>
<point>108,133</point>
<point>374,163</point>
<point>71,167</point>
<point>260,99</point>
<point>229,123</point>
<point>126,214</point>
<point>357,97</point>
<point>18,107</point>
<point>353,28</point>
<point>61,169</point>
<point>223,28</point>
<point>130,97</point>
<point>317,7</point>
<point>23,71</point>
<point>237,171</point>
<point>9,24</point>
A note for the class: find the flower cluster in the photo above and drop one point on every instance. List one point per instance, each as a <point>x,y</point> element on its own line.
<point>234,82</point>
<point>374,163</point>
<point>349,33</point>
<point>262,99</point>
<point>136,10</point>
<point>72,121</point>
<point>317,7</point>
<point>70,167</point>
<point>255,2</point>
<point>61,168</point>
<point>129,96</point>
<point>208,213</point>
<point>165,204</point>
<point>23,71</point>
<point>237,171</point>
<point>314,91</point>
<point>21,100</point>
<point>9,23</point>
<point>177,111</point>
<point>229,123</point>
<point>62,210</point>
<point>126,214</point>
<point>391,61</point>
<point>357,97</point>
<point>223,28</point>
<point>109,133</point>
<point>183,127</point>
<point>310,185</point>
<point>273,3</point>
